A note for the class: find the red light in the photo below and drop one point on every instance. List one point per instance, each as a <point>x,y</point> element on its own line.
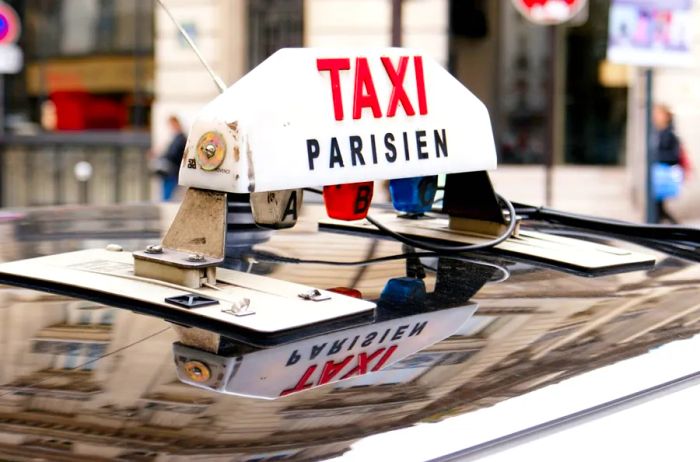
<point>348,201</point>
<point>354,293</point>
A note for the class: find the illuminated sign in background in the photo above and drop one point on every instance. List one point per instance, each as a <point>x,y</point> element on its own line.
<point>550,12</point>
<point>10,54</point>
<point>651,32</point>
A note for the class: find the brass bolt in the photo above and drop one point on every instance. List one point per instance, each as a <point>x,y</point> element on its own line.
<point>197,371</point>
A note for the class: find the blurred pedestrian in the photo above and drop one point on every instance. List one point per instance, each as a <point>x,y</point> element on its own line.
<point>667,174</point>
<point>167,165</point>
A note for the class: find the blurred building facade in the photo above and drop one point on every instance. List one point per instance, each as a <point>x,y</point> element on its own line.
<point>122,66</point>
<point>83,96</point>
<point>495,52</point>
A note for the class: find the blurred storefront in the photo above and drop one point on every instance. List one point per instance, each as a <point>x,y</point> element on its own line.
<point>573,109</point>
<point>596,108</point>
<point>121,66</point>
<point>83,96</point>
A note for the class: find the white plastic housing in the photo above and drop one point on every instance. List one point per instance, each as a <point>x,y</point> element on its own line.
<point>282,130</point>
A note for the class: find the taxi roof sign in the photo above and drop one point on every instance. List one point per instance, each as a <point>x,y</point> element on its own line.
<point>307,117</point>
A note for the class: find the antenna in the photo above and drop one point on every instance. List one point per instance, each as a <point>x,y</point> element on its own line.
<point>217,80</point>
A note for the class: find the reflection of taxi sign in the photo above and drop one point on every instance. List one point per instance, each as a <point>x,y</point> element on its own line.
<point>308,117</point>
<point>327,358</point>
<point>9,24</point>
<point>549,11</point>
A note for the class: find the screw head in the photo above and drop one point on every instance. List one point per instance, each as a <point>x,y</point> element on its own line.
<point>154,248</point>
<point>210,149</point>
<point>197,371</point>
<point>314,295</point>
<point>195,257</point>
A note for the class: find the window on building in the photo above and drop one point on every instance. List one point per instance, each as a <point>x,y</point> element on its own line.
<point>93,351</point>
<point>107,317</point>
<point>69,354</point>
<point>85,317</point>
<point>273,24</point>
<point>596,107</point>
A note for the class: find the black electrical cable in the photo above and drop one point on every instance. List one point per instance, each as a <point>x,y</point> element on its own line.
<point>447,248</point>
<point>387,258</point>
<point>314,190</point>
<point>366,262</point>
<point>454,248</point>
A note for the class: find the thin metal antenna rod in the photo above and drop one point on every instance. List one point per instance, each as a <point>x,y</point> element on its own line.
<point>217,80</point>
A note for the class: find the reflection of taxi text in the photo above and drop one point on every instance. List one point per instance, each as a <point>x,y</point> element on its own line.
<point>355,363</point>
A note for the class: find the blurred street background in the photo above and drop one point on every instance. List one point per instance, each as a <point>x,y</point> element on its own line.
<point>86,111</point>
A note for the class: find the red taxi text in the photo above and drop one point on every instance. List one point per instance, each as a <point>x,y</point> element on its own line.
<point>364,92</point>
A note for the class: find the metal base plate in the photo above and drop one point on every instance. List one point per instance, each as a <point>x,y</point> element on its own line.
<point>108,277</point>
<point>576,254</point>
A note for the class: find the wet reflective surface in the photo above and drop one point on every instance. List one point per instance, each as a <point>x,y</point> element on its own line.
<point>81,380</point>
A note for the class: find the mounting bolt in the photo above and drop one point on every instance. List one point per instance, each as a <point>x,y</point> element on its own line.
<point>195,257</point>
<point>240,308</point>
<point>210,149</point>
<point>197,371</point>
<point>154,248</point>
<point>314,295</point>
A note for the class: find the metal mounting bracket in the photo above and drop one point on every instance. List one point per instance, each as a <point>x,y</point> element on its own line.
<point>472,204</point>
<point>194,244</point>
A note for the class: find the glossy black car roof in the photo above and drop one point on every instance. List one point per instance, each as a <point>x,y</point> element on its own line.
<point>84,381</point>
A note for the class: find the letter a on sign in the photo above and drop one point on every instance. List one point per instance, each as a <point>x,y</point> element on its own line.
<point>276,209</point>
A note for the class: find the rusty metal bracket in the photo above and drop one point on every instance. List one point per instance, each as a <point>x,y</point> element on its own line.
<point>194,244</point>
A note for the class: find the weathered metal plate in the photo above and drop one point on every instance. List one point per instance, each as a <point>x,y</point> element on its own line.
<point>563,251</point>
<point>108,277</point>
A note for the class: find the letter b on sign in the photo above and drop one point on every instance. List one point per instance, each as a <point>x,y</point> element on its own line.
<point>348,201</point>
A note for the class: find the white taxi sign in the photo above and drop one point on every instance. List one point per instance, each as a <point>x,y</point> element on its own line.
<point>307,117</point>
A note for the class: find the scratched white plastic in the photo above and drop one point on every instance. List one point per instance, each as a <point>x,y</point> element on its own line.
<point>267,117</point>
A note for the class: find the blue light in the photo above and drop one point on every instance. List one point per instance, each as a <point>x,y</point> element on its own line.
<point>403,290</point>
<point>413,195</point>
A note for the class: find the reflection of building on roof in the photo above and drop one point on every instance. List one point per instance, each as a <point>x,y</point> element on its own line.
<point>535,329</point>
